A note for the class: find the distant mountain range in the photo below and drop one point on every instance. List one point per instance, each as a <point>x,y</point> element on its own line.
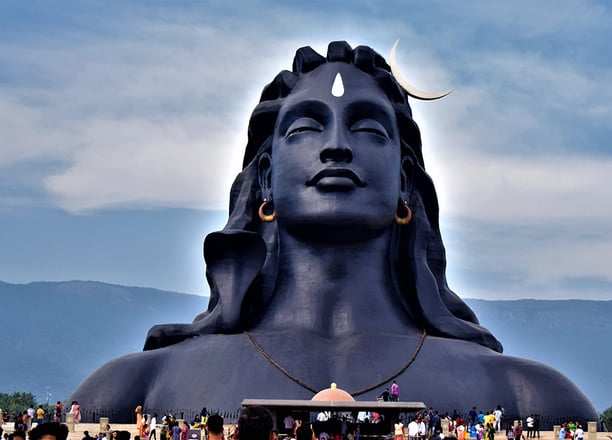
<point>54,334</point>
<point>573,336</point>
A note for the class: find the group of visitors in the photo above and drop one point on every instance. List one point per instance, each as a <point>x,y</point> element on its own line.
<point>478,425</point>
<point>172,429</point>
<point>23,420</point>
<point>532,425</point>
<point>571,431</point>
<point>328,426</point>
<point>425,424</point>
<point>26,422</point>
<point>390,395</point>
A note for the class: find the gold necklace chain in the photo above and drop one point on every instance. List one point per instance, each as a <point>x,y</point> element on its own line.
<point>283,370</point>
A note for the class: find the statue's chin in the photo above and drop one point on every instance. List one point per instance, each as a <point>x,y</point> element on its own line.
<point>336,228</point>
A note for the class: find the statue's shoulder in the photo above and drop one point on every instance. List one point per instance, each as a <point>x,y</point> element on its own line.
<point>149,377</point>
<point>535,385</point>
<point>119,381</point>
<point>487,375</point>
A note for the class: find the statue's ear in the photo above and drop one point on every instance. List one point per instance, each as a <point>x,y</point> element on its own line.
<point>264,168</point>
<point>406,177</point>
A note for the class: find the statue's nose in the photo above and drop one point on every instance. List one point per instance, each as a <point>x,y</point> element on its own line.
<point>337,148</point>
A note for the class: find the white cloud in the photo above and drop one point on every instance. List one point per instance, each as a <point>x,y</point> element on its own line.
<point>495,188</point>
<point>141,126</point>
<point>143,163</point>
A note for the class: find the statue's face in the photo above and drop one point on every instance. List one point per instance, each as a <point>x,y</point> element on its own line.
<point>336,159</point>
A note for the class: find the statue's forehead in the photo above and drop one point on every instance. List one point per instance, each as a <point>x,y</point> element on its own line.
<point>318,85</point>
<point>320,80</point>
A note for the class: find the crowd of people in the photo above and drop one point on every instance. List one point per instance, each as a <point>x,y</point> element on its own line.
<point>171,429</point>
<point>571,431</point>
<point>23,420</point>
<point>479,425</point>
<point>424,425</point>
<point>252,423</point>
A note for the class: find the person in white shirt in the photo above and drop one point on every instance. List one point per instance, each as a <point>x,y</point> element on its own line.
<point>579,433</point>
<point>153,427</point>
<point>413,429</point>
<point>529,422</point>
<point>422,429</point>
<point>498,417</point>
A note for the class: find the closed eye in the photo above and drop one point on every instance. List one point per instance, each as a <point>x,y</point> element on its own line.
<point>303,125</point>
<point>371,126</point>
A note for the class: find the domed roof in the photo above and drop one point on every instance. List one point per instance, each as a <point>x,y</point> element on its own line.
<point>333,394</point>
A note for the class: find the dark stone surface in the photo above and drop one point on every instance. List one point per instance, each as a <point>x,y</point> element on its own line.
<point>333,289</point>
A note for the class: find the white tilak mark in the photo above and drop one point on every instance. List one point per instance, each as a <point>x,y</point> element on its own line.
<point>337,87</point>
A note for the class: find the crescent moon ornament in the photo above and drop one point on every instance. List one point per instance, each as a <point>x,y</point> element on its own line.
<point>415,93</point>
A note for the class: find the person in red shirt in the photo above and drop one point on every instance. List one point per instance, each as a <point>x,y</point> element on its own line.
<point>518,431</point>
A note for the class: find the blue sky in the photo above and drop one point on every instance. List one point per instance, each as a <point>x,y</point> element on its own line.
<point>122,125</point>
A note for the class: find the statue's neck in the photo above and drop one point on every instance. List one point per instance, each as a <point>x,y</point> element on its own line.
<point>335,289</point>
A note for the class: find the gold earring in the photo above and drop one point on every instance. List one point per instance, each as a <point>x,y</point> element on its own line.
<point>406,219</point>
<point>266,217</point>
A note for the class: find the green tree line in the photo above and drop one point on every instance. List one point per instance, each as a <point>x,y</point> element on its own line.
<point>18,402</point>
<point>606,417</point>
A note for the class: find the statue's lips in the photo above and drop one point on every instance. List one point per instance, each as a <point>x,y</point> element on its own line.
<point>336,177</point>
